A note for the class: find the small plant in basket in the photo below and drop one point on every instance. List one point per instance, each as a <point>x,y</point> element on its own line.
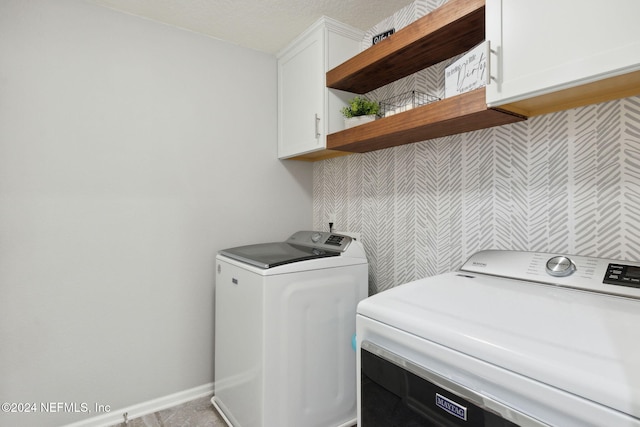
<point>360,106</point>
<point>360,110</point>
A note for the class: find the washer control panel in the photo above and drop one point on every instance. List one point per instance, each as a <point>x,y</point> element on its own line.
<point>321,240</point>
<point>623,275</point>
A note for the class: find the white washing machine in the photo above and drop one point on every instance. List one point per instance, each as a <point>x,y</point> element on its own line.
<point>284,324</point>
<point>512,339</point>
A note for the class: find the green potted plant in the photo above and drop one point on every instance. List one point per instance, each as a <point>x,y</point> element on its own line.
<point>359,110</point>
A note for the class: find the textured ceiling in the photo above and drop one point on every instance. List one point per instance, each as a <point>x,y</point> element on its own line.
<point>264,25</point>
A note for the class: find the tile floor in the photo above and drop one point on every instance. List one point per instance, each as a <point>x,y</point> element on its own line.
<point>195,413</point>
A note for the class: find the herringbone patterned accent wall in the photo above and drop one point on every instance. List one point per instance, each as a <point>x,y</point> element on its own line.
<point>567,182</point>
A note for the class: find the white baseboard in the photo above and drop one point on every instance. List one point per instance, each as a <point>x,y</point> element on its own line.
<point>115,415</point>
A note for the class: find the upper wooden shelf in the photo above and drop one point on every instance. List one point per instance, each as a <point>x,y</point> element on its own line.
<point>450,30</point>
<point>458,114</point>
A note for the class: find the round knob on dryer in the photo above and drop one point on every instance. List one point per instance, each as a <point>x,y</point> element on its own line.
<point>315,237</point>
<point>560,266</point>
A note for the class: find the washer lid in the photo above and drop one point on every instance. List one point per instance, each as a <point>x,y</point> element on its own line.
<point>268,255</point>
<point>301,246</point>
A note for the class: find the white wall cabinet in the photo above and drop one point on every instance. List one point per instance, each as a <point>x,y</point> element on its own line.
<point>307,110</point>
<point>541,47</point>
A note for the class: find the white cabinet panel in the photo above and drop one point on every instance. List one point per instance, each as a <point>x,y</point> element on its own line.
<point>300,75</point>
<point>544,46</point>
<point>307,110</point>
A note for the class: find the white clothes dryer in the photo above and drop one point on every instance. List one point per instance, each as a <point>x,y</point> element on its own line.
<point>513,338</point>
<point>284,324</point>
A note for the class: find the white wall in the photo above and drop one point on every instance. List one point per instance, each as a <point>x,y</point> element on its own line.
<point>130,152</point>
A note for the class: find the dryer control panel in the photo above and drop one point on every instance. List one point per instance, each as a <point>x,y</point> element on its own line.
<point>608,276</point>
<point>623,275</point>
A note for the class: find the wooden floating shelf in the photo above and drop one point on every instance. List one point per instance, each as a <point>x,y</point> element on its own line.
<point>458,114</point>
<point>450,30</point>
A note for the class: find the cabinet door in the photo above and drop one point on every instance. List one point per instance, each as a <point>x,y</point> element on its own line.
<point>543,46</point>
<point>300,97</point>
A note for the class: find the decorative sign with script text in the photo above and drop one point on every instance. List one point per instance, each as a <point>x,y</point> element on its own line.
<point>467,73</point>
